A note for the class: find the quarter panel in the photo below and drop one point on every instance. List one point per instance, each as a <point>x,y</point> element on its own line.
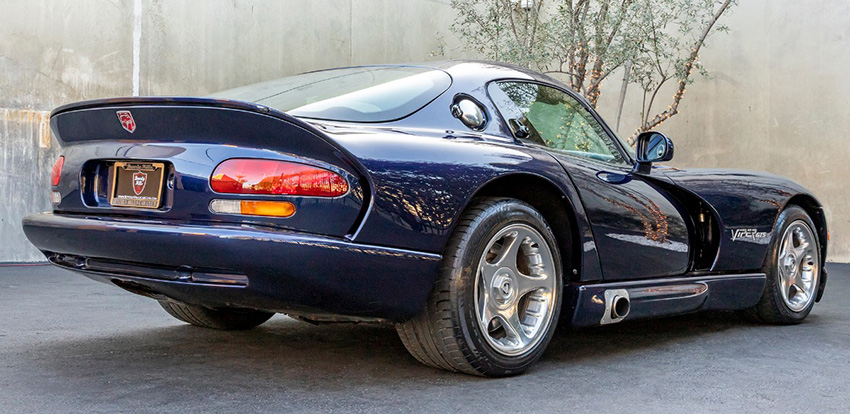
<point>423,182</point>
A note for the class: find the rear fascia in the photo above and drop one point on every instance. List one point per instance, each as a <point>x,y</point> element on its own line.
<point>239,266</point>
<point>192,136</point>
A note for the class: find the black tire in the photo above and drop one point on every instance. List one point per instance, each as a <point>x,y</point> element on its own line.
<point>446,334</point>
<point>223,319</point>
<point>772,308</point>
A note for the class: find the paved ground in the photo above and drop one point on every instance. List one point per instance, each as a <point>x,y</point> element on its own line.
<point>68,344</point>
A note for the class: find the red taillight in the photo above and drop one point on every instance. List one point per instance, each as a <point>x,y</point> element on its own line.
<point>250,176</point>
<point>57,171</point>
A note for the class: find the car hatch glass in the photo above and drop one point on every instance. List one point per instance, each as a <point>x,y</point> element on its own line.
<point>358,94</point>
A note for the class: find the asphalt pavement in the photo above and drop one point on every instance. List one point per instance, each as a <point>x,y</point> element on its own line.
<point>68,344</point>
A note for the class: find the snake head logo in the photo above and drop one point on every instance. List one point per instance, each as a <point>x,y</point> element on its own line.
<point>127,121</point>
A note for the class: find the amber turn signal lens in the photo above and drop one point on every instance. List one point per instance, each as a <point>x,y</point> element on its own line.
<point>268,208</point>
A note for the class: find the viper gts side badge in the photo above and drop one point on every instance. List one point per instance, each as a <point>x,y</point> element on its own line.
<point>127,121</point>
<point>752,235</point>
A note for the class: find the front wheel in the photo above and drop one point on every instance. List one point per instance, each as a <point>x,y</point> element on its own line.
<point>498,295</point>
<point>793,270</point>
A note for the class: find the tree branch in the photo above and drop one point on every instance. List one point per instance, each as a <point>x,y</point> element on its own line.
<point>683,82</point>
<point>648,110</point>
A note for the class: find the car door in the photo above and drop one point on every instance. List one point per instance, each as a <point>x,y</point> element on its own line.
<point>639,229</point>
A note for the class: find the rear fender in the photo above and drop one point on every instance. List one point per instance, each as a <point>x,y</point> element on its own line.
<point>424,182</point>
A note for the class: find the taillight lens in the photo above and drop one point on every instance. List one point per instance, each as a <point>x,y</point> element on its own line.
<point>57,171</point>
<point>251,176</point>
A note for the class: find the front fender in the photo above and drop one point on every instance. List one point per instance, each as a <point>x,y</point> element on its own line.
<point>747,205</point>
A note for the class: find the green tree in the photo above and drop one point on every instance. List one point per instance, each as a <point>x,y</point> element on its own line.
<point>584,41</point>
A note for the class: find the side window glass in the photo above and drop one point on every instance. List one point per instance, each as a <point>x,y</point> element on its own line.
<point>511,109</point>
<point>554,119</point>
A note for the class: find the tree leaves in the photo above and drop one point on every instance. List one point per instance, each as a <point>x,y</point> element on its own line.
<point>584,41</point>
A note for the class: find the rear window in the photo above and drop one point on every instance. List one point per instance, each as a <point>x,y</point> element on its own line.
<point>362,94</point>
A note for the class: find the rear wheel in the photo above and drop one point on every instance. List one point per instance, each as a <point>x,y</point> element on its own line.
<point>224,319</point>
<point>793,270</point>
<point>498,294</point>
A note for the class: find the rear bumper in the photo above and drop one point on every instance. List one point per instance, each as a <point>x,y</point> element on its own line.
<point>239,266</point>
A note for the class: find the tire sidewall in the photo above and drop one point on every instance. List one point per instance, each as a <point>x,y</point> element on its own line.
<point>772,286</point>
<point>484,228</point>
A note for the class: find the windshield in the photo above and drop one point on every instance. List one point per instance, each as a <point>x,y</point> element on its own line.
<point>362,94</point>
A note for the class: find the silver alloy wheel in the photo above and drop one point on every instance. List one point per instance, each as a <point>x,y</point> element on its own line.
<point>515,287</point>
<point>799,266</point>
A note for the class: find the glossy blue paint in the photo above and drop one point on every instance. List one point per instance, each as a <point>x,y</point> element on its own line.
<point>668,296</point>
<point>375,251</point>
<point>189,140</point>
<point>742,200</point>
<point>285,270</point>
<point>630,216</point>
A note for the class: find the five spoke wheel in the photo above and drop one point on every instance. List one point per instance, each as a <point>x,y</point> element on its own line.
<point>793,269</point>
<point>514,290</point>
<point>498,296</point>
<point>797,265</point>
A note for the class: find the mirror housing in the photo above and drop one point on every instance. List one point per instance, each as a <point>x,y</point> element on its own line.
<point>652,146</point>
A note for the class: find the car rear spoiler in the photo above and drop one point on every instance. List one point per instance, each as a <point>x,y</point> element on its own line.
<point>96,121</point>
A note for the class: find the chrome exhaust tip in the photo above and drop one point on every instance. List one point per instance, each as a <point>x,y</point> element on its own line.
<point>620,307</point>
<point>617,306</point>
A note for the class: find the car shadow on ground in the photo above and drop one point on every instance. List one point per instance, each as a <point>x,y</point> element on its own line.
<point>335,356</point>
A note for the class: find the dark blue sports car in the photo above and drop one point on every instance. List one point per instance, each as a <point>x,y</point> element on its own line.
<point>472,204</point>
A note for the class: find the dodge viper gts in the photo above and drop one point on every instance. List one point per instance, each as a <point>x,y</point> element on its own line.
<point>474,205</point>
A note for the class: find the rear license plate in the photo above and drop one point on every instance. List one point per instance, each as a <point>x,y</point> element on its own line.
<point>137,184</point>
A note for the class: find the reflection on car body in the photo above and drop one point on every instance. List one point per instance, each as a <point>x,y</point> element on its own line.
<point>472,204</point>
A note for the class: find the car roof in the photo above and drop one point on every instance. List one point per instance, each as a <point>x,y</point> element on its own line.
<point>480,72</point>
<point>470,70</point>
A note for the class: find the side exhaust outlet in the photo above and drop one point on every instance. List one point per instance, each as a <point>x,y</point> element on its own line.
<point>620,307</point>
<point>617,306</point>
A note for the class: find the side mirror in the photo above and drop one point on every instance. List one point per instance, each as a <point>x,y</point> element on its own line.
<point>652,147</point>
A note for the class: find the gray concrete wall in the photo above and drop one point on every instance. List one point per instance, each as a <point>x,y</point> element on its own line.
<point>54,52</point>
<point>188,49</point>
<point>778,99</point>
<point>51,52</point>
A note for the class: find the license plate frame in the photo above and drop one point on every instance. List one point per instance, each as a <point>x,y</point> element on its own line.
<point>137,184</point>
